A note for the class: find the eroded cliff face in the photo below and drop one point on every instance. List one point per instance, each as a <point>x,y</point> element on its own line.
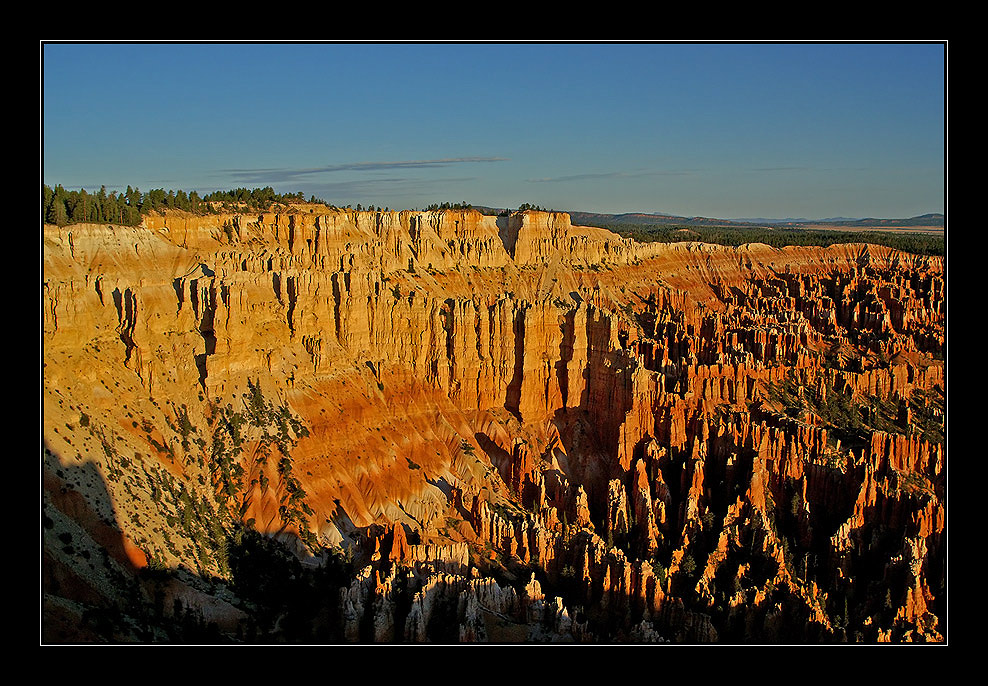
<point>487,428</point>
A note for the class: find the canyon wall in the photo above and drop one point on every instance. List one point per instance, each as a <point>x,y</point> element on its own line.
<point>502,429</point>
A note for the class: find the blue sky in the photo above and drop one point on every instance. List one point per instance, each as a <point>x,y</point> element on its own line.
<point>720,130</point>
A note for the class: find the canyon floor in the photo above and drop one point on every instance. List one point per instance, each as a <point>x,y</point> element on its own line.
<point>322,426</point>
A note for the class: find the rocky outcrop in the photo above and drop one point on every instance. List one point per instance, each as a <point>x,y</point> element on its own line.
<point>680,442</point>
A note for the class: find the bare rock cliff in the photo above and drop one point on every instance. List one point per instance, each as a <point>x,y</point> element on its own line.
<point>474,428</point>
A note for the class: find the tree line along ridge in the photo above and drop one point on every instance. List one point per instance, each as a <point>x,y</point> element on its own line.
<point>62,207</point>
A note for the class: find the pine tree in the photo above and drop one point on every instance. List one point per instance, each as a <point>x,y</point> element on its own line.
<point>57,214</point>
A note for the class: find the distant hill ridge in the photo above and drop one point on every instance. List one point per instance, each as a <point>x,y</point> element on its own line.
<point>930,219</point>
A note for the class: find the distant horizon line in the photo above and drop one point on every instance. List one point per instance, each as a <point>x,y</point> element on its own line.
<point>94,188</point>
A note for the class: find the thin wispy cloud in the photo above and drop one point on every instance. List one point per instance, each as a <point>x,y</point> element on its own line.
<point>781,169</point>
<point>808,169</point>
<point>286,175</point>
<point>597,176</point>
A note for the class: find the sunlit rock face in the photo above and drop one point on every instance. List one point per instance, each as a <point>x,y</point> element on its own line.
<point>493,429</point>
